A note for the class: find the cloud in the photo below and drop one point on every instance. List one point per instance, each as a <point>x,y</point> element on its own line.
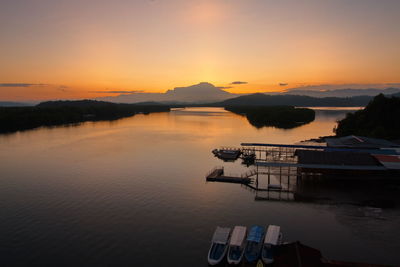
<point>117,92</point>
<point>224,87</point>
<point>283,84</point>
<point>238,82</point>
<point>22,84</point>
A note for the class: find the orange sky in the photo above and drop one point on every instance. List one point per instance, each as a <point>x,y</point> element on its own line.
<point>72,49</point>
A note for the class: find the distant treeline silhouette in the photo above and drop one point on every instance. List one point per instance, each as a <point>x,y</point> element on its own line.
<point>54,113</point>
<point>260,99</point>
<point>379,119</point>
<point>278,116</point>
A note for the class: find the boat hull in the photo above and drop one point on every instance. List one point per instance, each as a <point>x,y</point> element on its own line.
<point>234,260</point>
<point>216,253</point>
<point>252,253</point>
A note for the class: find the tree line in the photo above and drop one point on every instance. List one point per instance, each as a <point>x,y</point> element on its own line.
<point>55,113</point>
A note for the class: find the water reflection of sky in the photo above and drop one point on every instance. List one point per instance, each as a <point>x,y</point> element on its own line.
<point>117,192</point>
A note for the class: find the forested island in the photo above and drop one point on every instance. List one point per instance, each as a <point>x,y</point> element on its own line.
<point>55,113</point>
<point>278,116</point>
<point>379,119</point>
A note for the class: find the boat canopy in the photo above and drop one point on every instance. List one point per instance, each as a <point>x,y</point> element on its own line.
<point>256,233</point>
<point>221,235</point>
<point>238,235</point>
<point>272,236</point>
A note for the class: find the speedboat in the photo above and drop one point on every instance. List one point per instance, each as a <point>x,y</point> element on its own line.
<point>227,154</point>
<point>272,239</point>
<point>237,245</point>
<point>219,245</point>
<point>254,243</point>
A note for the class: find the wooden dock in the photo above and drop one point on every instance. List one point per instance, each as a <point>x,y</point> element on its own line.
<point>217,175</point>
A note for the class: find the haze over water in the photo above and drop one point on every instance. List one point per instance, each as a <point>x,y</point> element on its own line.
<point>132,192</point>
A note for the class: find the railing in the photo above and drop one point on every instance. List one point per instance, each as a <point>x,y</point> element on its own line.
<point>231,148</point>
<point>249,173</point>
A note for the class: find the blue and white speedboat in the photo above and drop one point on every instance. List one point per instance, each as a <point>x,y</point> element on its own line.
<point>254,243</point>
<point>237,245</point>
<point>219,245</point>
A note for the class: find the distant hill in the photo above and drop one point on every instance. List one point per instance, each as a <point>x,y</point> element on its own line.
<point>74,103</point>
<point>396,95</point>
<point>199,93</point>
<point>318,91</point>
<point>295,100</point>
<point>379,119</point>
<point>13,104</point>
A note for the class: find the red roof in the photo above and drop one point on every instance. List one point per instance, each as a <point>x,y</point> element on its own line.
<point>387,158</point>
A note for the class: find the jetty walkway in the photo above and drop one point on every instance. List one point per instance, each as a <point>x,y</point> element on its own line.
<point>217,175</point>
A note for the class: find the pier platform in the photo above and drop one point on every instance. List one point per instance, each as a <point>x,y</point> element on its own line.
<point>217,175</point>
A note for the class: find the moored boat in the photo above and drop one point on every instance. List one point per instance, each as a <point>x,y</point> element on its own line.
<point>254,243</point>
<point>227,154</point>
<point>219,245</point>
<point>237,245</point>
<point>272,239</point>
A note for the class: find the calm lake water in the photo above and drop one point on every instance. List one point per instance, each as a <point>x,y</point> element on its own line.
<point>132,192</point>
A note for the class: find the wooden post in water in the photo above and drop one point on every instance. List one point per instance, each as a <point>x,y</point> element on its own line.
<point>257,177</point>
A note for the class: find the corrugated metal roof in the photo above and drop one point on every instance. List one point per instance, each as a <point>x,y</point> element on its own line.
<point>345,158</point>
<point>353,141</point>
<point>384,150</point>
<point>321,166</point>
<point>391,162</point>
<point>283,145</point>
<point>371,151</point>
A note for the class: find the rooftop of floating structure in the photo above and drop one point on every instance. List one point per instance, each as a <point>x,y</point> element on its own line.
<point>344,158</point>
<point>391,162</point>
<point>283,145</point>
<point>323,166</point>
<point>353,141</point>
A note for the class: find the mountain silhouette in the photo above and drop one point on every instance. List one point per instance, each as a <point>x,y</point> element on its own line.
<point>203,92</point>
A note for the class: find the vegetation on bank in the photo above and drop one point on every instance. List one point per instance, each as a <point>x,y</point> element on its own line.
<point>54,113</point>
<point>278,116</point>
<point>260,99</point>
<point>379,119</point>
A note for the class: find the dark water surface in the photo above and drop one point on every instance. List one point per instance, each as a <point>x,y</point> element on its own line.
<point>132,193</point>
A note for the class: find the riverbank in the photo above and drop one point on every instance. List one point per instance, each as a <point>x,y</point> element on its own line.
<point>54,113</point>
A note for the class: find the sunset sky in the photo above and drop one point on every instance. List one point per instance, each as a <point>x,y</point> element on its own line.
<point>54,49</point>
